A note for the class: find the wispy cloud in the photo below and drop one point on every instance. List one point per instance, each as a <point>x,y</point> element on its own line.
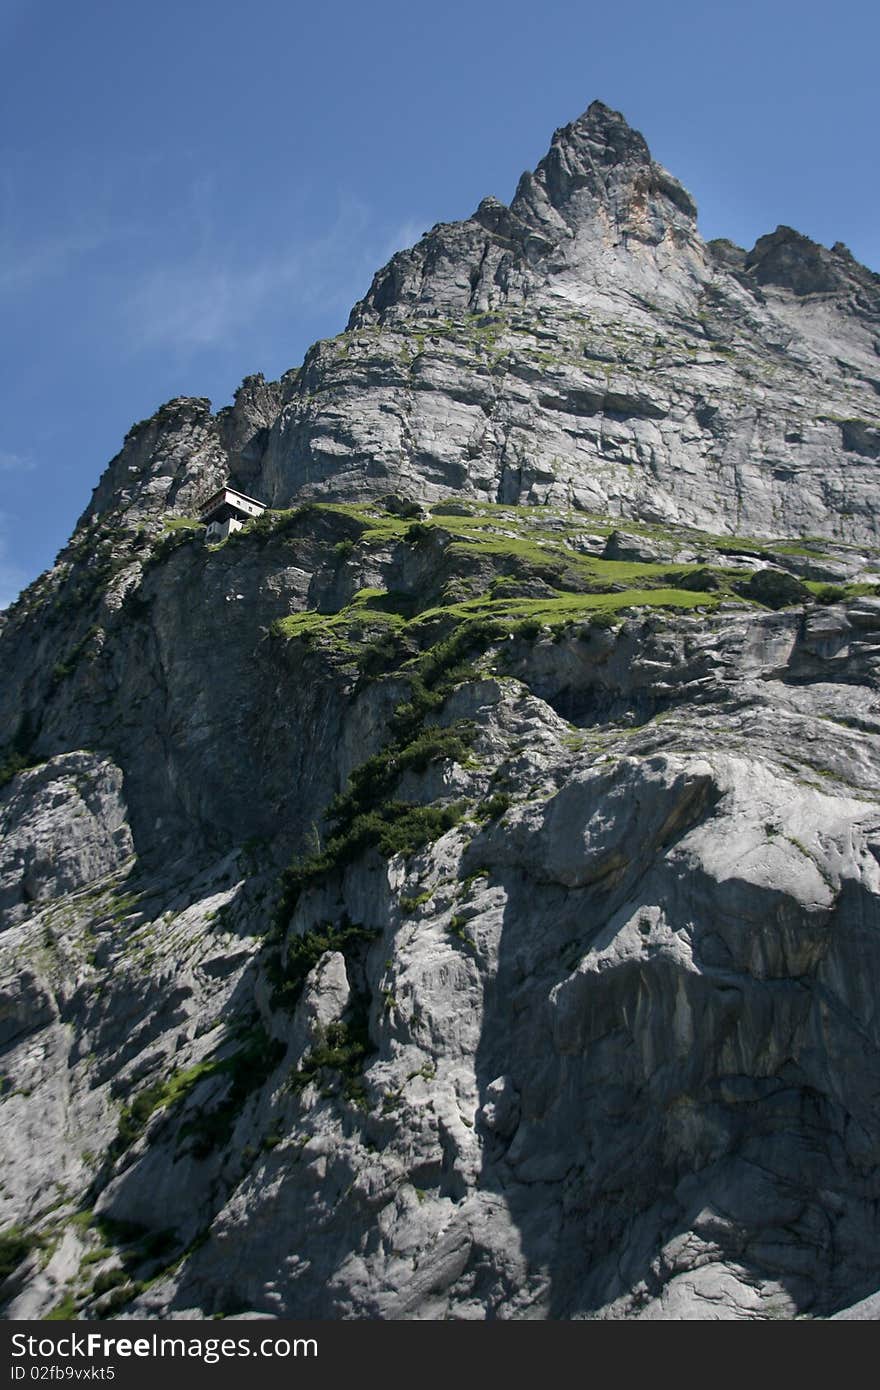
<point>197,303</point>
<point>204,298</point>
<point>50,227</point>
<point>14,463</point>
<point>23,265</point>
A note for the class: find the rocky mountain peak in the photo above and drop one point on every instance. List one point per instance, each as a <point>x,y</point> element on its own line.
<point>792,261</point>
<point>600,159</point>
<point>595,198</point>
<point>165,461</point>
<point>599,139</point>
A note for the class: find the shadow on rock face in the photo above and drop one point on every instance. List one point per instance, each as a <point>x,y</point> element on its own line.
<point>687,1124</point>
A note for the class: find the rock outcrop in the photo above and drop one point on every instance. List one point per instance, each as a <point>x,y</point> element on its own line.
<point>457,895</point>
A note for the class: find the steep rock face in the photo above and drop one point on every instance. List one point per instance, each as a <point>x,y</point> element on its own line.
<point>159,459</point>
<point>620,1042</point>
<point>61,826</point>
<point>457,894</point>
<point>174,460</point>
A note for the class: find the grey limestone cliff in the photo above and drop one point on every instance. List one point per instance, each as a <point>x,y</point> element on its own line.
<point>457,894</point>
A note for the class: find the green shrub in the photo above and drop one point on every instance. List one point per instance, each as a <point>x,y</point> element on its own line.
<point>397,827</point>
<point>11,764</point>
<point>420,532</point>
<point>529,629</point>
<point>15,1245</point>
<point>154,1246</point>
<point>372,782</point>
<point>121,1296</point>
<point>110,1279</point>
<point>494,807</point>
<point>411,905</point>
<point>167,544</point>
<point>19,752</point>
<point>62,669</point>
<point>602,618</point>
<point>262,526</point>
<point>830,593</point>
<point>112,1229</point>
<point>304,952</point>
<point>247,1068</point>
<point>365,815</point>
<point>133,1118</point>
<point>457,926</point>
<point>342,1049</point>
<point>408,828</point>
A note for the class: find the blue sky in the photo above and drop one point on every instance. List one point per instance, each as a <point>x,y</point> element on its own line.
<point>190,192</point>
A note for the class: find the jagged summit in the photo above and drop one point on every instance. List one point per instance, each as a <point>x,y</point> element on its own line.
<point>598,152</point>
<point>613,124</point>
<point>601,154</point>
<point>596,195</point>
<point>789,259</point>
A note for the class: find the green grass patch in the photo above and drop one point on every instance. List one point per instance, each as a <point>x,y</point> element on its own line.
<point>159,1096</point>
<point>376,526</point>
<point>371,614</point>
<point>248,1069</point>
<point>96,1257</point>
<point>377,629</point>
<point>566,608</point>
<point>65,1311</point>
<point>838,593</point>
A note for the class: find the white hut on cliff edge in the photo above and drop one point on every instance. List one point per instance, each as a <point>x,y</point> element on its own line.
<point>227,511</point>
